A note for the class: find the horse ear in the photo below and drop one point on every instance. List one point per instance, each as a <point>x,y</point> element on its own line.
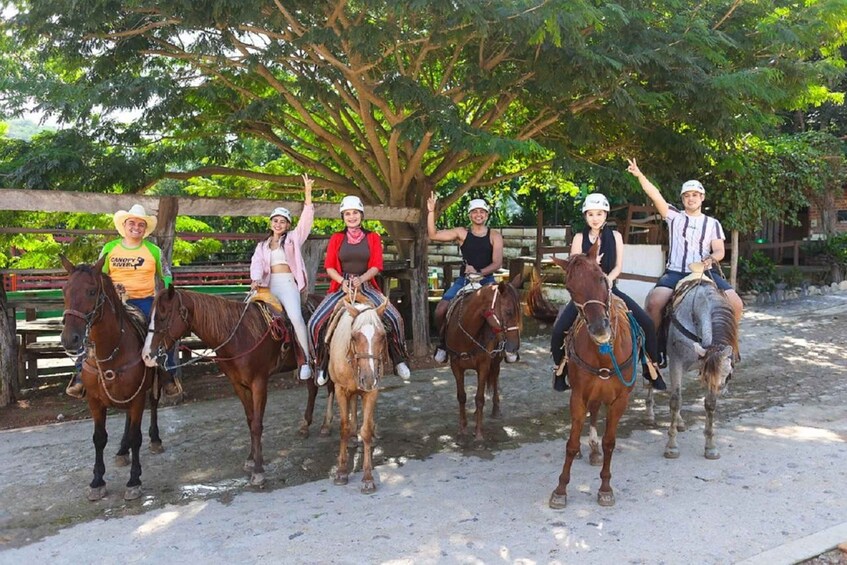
<point>517,282</point>
<point>698,349</point>
<point>381,308</point>
<point>69,267</point>
<point>352,310</point>
<point>595,249</point>
<point>171,291</point>
<point>563,263</point>
<point>726,351</point>
<point>98,266</point>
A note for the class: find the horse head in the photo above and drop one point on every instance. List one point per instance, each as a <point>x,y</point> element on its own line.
<point>590,291</point>
<point>504,316</point>
<point>168,323</point>
<point>84,296</point>
<point>368,343</point>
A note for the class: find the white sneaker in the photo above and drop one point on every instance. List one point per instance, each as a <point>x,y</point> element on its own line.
<point>321,378</point>
<point>305,372</point>
<point>402,370</point>
<point>511,357</point>
<point>440,355</point>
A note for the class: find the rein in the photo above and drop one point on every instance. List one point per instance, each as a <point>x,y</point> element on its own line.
<point>488,314</point>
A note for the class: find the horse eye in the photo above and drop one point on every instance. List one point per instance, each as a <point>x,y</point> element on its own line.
<point>91,292</point>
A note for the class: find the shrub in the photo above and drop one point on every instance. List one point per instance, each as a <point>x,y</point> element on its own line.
<point>757,273</point>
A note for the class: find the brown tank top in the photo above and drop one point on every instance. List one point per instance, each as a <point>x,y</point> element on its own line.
<point>354,258</point>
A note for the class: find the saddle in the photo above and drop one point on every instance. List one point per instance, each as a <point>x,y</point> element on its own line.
<point>340,308</point>
<point>683,287</point>
<point>469,288</point>
<point>273,312</point>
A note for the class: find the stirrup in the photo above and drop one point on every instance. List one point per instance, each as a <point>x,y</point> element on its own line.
<point>75,388</point>
<point>172,389</point>
<point>440,355</point>
<point>320,377</point>
<point>305,372</point>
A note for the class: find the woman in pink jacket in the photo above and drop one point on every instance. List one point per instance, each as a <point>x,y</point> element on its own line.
<point>278,264</point>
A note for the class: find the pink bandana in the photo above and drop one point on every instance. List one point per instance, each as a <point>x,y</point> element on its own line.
<point>355,235</point>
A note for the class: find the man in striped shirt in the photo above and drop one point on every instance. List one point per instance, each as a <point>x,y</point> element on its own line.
<point>694,237</point>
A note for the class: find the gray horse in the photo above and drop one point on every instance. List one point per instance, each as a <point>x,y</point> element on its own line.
<point>702,336</point>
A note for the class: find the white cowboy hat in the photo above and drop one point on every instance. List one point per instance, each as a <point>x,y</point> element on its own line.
<point>137,211</point>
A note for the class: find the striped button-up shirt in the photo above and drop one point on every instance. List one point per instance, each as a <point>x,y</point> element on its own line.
<point>691,238</point>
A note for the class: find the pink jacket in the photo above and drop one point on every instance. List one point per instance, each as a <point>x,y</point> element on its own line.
<point>260,266</point>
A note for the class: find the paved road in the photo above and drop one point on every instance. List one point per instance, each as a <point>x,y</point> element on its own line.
<point>776,495</point>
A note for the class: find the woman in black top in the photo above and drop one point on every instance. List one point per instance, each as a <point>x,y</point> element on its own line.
<point>596,210</point>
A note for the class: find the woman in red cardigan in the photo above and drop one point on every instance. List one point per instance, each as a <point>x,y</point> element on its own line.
<point>353,259</point>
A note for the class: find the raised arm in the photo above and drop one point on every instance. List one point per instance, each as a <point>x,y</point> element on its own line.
<point>453,234</point>
<point>649,188</point>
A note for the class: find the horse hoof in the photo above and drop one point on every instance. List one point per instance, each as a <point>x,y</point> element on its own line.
<point>340,479</point>
<point>304,431</point>
<point>157,447</point>
<point>121,460</point>
<point>558,501</point>
<point>712,454</point>
<point>96,493</point>
<point>606,498</point>
<point>680,427</point>
<point>249,465</point>
<point>672,453</point>
<point>595,459</point>
<point>324,431</point>
<point>257,479</point>
<point>132,493</point>
<point>368,487</point>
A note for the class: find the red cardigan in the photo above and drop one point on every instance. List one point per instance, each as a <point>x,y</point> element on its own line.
<point>333,262</point>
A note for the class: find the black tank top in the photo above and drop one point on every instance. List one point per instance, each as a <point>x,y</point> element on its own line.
<point>608,247</point>
<point>477,251</point>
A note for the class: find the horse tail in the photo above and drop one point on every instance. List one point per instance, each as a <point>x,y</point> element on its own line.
<point>537,304</point>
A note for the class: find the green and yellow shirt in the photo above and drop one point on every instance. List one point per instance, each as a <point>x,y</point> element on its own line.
<point>136,268</point>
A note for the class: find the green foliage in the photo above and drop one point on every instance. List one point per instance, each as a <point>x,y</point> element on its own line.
<point>793,277</point>
<point>832,249</point>
<point>757,273</point>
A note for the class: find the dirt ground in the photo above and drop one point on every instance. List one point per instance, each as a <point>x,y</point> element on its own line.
<point>794,354</point>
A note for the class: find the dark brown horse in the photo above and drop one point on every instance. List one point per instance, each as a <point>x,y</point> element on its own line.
<point>96,321</point>
<point>482,327</point>
<point>601,367</point>
<point>248,350</point>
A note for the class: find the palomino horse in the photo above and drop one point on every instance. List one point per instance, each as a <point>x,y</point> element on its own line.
<point>702,336</point>
<point>601,367</point>
<point>357,349</point>
<point>481,327</point>
<point>113,373</point>
<point>248,350</point>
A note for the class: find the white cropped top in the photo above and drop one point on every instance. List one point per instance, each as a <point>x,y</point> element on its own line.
<point>278,257</point>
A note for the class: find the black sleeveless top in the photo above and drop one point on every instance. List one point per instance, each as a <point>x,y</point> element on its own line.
<point>607,247</point>
<point>477,251</point>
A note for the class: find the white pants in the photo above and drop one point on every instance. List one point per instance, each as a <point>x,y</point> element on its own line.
<point>284,287</point>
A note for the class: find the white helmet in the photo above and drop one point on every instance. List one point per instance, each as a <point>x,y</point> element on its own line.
<point>692,185</point>
<point>478,203</point>
<point>595,201</point>
<point>351,203</point>
<point>280,211</point>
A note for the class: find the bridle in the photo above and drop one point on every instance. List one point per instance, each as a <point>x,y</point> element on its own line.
<point>353,356</point>
<point>91,318</point>
<point>497,327</point>
<point>606,304</point>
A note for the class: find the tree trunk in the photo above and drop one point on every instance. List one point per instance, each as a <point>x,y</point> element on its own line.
<point>166,229</point>
<point>420,303</point>
<point>733,261</point>
<point>9,383</point>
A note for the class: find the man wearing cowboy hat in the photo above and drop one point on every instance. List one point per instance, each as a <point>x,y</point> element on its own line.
<point>136,264</point>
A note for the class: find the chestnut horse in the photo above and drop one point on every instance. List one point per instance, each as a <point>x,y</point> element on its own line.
<point>702,337</point>
<point>357,350</point>
<point>248,350</point>
<point>482,327</point>
<point>601,367</point>
<point>95,320</point>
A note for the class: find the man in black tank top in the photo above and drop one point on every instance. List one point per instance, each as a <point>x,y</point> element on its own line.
<point>482,255</point>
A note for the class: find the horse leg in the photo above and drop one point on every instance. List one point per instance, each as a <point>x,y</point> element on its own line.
<point>711,404</point>
<point>479,399</point>
<point>494,387</point>
<point>247,403</point>
<point>342,395</point>
<point>97,487</point>
<point>595,458</point>
<point>559,498</point>
<point>606,496</point>
<point>672,449</point>
<point>310,408</point>
<point>259,394</point>
<point>153,430</point>
<point>328,412</point>
<point>122,456</point>
<point>650,415</point>
<point>136,413</point>
<point>354,421</point>
<point>461,396</point>
<point>367,433</point>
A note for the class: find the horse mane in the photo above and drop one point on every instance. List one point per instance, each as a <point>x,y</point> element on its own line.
<point>724,332</point>
<point>343,333</point>
<point>220,315</point>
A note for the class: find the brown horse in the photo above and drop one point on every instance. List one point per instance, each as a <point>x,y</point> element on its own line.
<point>113,373</point>
<point>248,350</point>
<point>482,327</point>
<point>357,350</point>
<point>601,367</point>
